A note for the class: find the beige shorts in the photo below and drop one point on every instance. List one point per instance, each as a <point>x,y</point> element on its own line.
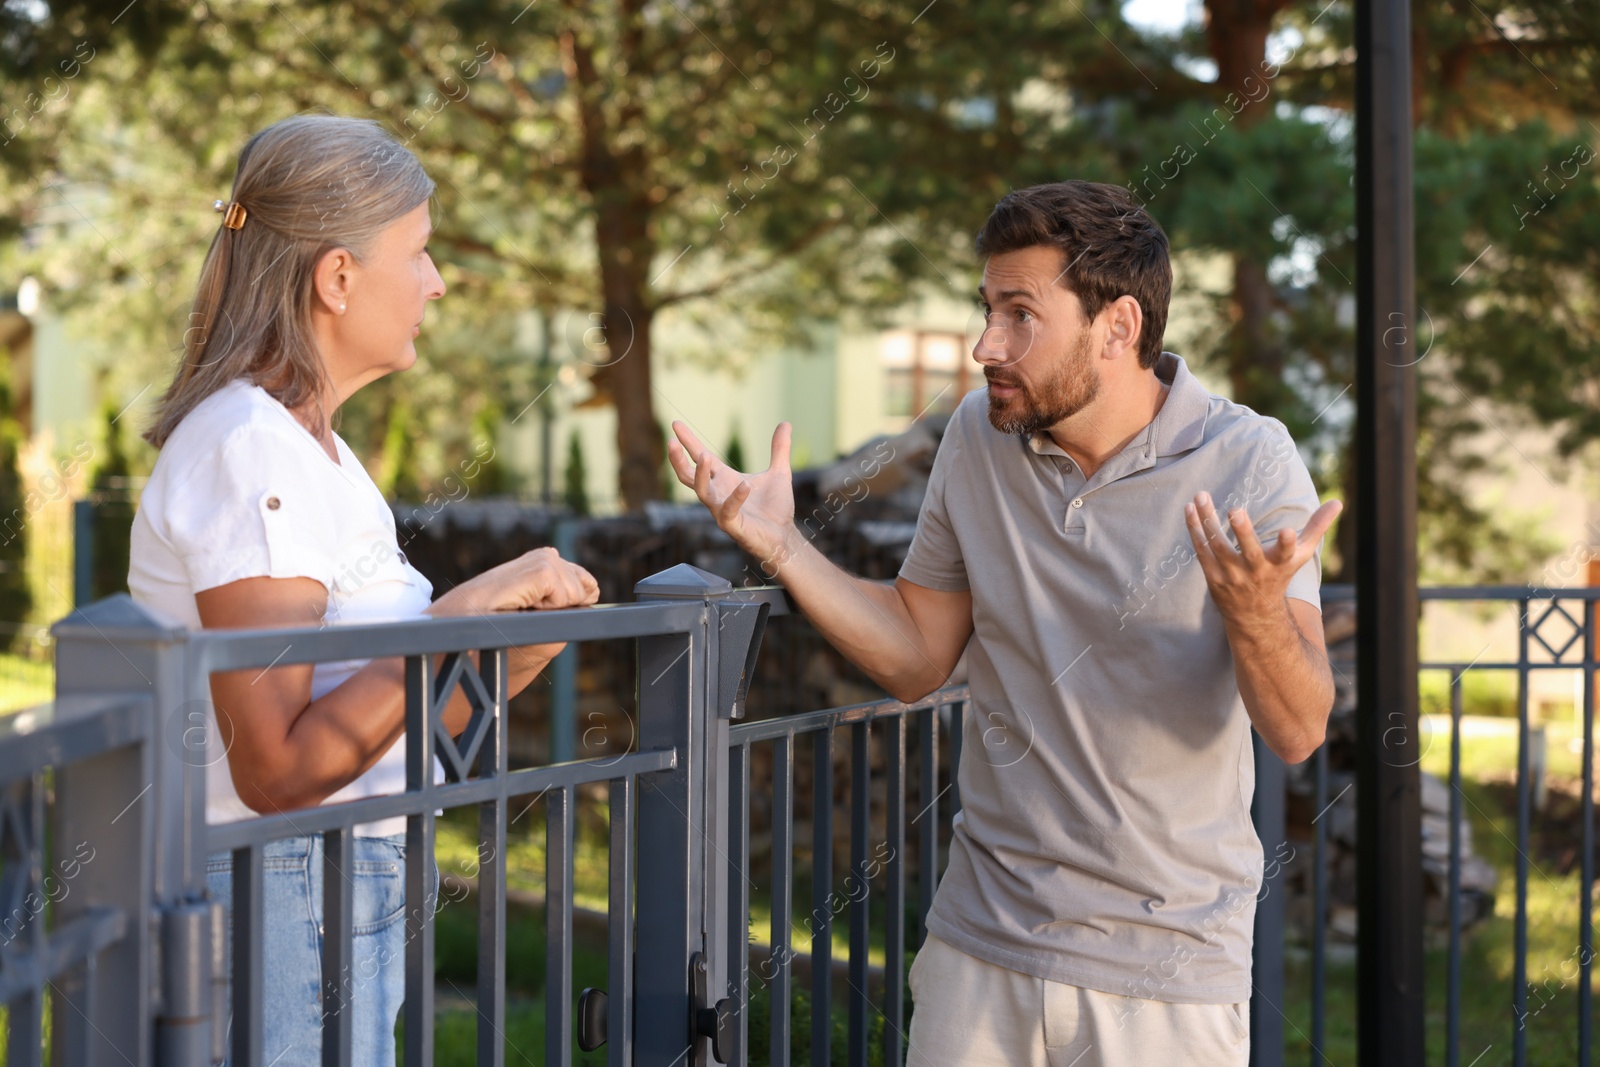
<point>974,1014</point>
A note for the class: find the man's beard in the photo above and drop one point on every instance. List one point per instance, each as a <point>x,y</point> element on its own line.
<point>1067,390</point>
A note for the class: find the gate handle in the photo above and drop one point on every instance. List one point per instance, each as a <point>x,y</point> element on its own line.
<point>716,1023</point>
<point>592,1018</point>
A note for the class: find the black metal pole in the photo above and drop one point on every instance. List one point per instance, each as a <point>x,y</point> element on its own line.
<point>1390,961</point>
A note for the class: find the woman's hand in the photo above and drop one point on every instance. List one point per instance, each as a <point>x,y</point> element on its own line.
<point>540,579</point>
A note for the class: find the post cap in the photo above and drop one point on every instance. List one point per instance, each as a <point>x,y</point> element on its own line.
<point>682,581</point>
<point>115,618</point>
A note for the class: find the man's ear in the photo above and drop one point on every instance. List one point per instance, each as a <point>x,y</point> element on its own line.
<point>1124,327</point>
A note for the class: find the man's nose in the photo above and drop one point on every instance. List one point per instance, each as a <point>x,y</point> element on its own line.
<point>991,347</point>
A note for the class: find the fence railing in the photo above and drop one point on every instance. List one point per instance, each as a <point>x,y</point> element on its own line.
<point>107,918</point>
<point>133,955</point>
<point>1555,630</point>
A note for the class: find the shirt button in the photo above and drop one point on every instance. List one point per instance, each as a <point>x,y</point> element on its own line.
<point>1078,502</point>
<point>272,503</point>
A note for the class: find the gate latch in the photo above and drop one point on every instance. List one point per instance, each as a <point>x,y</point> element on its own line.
<point>710,1020</point>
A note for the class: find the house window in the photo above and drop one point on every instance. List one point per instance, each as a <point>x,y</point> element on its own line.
<point>926,371</point>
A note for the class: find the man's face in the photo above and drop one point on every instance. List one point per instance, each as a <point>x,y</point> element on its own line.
<point>1036,348</point>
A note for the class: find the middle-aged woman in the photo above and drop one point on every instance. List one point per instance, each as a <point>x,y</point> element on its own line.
<point>258,515</point>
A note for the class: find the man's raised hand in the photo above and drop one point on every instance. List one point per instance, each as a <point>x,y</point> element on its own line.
<point>756,510</point>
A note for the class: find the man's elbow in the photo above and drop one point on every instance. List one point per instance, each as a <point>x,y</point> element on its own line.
<point>1300,748</point>
<point>909,690</point>
<point>1302,742</point>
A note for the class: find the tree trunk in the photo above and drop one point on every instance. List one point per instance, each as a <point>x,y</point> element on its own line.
<point>1236,36</point>
<point>625,245</point>
<point>624,376</point>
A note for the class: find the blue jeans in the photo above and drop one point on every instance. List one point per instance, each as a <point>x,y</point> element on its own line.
<point>292,946</point>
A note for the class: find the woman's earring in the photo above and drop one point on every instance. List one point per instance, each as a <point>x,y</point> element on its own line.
<point>341,307</point>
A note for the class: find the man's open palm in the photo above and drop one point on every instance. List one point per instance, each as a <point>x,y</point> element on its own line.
<point>756,510</point>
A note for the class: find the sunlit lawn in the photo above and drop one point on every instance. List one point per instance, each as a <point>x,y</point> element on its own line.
<point>25,682</point>
<point>1487,1020</point>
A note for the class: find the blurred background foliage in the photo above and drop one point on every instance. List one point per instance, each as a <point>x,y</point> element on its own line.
<point>578,147</point>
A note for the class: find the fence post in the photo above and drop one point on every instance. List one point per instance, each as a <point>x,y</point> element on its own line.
<point>141,810</point>
<point>682,906</point>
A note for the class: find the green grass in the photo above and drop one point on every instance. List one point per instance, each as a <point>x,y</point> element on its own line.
<point>1487,1019</point>
<point>25,682</point>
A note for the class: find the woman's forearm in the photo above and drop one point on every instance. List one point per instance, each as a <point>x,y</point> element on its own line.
<point>342,735</point>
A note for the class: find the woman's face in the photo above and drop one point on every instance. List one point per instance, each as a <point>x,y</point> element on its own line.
<point>388,291</point>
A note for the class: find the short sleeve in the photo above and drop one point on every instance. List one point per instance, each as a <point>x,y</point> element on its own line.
<point>934,559</point>
<point>247,510</point>
<point>1281,497</point>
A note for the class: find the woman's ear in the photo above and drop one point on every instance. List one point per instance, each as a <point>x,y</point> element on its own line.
<point>333,278</point>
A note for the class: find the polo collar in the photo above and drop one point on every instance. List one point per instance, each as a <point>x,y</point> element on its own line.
<point>1178,427</point>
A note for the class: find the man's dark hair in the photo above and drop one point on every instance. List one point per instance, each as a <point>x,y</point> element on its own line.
<point>1110,247</point>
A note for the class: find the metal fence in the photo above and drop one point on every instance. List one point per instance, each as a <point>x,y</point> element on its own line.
<point>131,954</point>
<point>107,918</point>
<point>1555,631</point>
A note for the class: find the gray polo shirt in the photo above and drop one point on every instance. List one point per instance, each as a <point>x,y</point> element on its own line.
<point>1105,837</point>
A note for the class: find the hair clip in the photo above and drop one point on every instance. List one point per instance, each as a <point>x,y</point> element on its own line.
<point>233,213</point>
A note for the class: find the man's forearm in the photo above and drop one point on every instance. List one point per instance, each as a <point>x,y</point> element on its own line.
<point>868,622</point>
<point>1286,683</point>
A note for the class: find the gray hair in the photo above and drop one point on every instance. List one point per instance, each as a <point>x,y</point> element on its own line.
<point>307,184</point>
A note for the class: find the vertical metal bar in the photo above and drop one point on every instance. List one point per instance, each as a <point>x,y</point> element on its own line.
<point>739,909</point>
<point>1389,983</point>
<point>927,817</point>
<point>338,968</point>
<point>249,976</point>
<point>894,934</point>
<point>493,762</point>
<point>1266,964</point>
<point>858,887</point>
<point>25,1018</point>
<point>558,925</point>
<point>619,922</point>
<point>957,732</point>
<point>421,902</point>
<point>778,967</point>
<point>1519,958</point>
<point>1586,887</point>
<point>1452,1011</point>
<point>491,933</point>
<point>822,898</point>
<point>1319,909</point>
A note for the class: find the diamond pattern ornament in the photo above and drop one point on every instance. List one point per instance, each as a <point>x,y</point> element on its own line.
<point>1538,628</point>
<point>457,671</point>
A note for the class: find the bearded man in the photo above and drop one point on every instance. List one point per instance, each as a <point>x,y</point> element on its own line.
<point>1123,637</point>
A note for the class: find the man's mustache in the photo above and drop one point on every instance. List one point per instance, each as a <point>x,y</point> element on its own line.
<point>996,379</point>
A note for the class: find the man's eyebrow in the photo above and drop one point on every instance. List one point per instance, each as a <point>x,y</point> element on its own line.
<point>1006,294</point>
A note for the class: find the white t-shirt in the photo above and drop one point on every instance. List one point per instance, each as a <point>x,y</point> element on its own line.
<point>242,490</point>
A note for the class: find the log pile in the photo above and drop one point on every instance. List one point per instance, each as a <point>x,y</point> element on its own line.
<point>1478,877</point>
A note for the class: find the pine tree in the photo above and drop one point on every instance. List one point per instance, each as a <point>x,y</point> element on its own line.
<point>576,494</point>
<point>112,543</point>
<point>16,600</point>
